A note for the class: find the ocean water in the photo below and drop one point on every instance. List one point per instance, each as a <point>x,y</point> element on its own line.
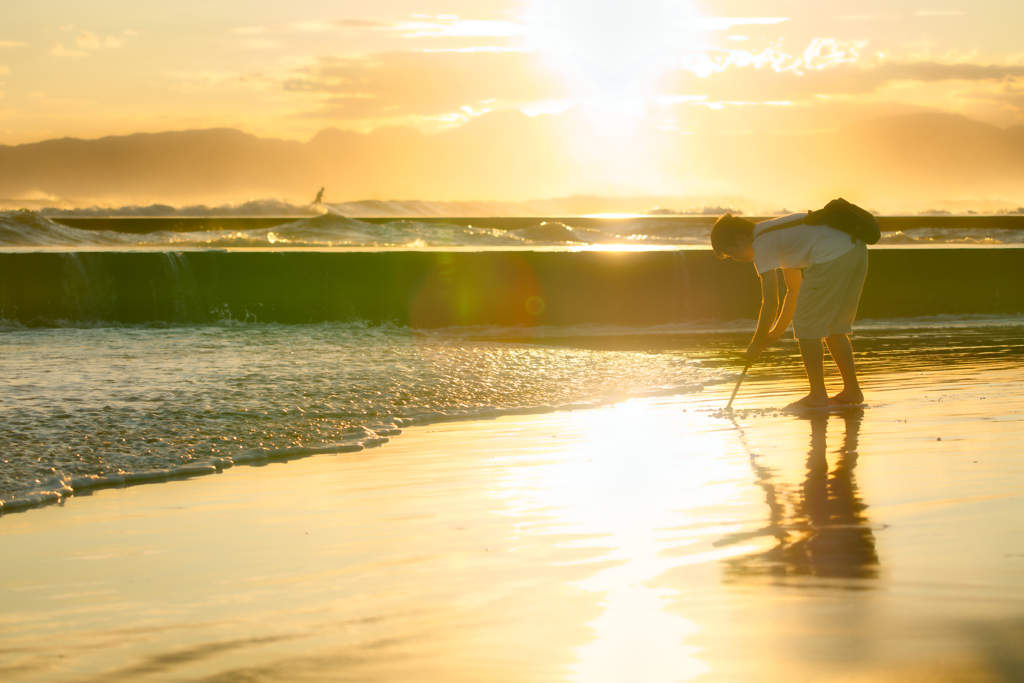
<point>28,229</point>
<point>97,404</point>
<point>125,367</point>
<point>106,401</point>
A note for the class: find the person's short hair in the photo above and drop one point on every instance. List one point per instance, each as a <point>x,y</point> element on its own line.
<point>726,230</point>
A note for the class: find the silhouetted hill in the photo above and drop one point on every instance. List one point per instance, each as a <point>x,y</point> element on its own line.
<point>915,158</point>
<point>163,165</point>
<point>508,156</point>
<point>943,147</point>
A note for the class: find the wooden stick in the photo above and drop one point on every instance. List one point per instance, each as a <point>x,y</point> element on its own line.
<point>737,388</point>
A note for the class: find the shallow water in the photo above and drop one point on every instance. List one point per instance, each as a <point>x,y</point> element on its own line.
<point>647,541</point>
<point>100,400</point>
<point>109,400</point>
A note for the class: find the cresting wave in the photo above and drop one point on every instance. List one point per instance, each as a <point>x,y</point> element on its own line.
<point>27,229</point>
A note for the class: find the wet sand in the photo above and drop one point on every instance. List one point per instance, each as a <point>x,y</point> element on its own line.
<point>655,540</point>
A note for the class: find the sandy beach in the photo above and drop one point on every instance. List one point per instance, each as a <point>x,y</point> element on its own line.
<point>653,540</point>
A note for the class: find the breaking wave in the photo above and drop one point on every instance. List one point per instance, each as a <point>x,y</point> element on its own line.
<point>330,230</point>
<point>28,229</point>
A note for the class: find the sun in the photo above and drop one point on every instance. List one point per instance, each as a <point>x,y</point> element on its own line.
<point>614,47</point>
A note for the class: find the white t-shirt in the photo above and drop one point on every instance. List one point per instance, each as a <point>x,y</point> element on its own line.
<point>797,246</point>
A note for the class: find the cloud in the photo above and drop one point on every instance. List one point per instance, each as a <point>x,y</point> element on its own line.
<point>931,72</point>
<point>938,13</point>
<point>4,70</point>
<point>87,40</point>
<point>60,51</point>
<point>12,43</point>
<point>822,53</point>
<point>441,26</point>
<point>434,84</point>
<point>312,26</point>
<point>827,54</point>
<point>461,29</point>
<point>404,83</point>
<point>432,88</point>
<point>840,80</point>
<point>90,41</point>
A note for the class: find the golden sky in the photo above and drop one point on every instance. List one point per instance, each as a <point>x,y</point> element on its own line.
<point>616,72</point>
<point>289,69</point>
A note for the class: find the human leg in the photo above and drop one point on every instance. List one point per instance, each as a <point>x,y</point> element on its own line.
<point>814,310</point>
<point>813,355</point>
<point>842,353</point>
<point>827,306</point>
<point>839,329</point>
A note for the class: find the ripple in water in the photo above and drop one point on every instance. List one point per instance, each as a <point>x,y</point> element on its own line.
<point>103,401</point>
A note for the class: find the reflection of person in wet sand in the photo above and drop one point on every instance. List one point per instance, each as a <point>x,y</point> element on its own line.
<point>822,265</point>
<point>319,196</point>
<point>824,531</point>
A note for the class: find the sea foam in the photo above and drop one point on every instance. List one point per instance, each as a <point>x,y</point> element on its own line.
<point>87,408</point>
<point>331,230</point>
<point>27,229</point>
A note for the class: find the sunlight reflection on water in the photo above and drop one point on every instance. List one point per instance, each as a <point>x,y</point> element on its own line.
<point>648,541</point>
<point>645,514</point>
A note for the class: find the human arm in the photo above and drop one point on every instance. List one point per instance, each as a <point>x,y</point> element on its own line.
<point>793,278</point>
<point>769,310</point>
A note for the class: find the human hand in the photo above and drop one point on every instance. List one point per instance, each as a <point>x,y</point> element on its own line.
<point>753,352</point>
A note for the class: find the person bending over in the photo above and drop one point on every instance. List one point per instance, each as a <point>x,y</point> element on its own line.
<point>824,271</point>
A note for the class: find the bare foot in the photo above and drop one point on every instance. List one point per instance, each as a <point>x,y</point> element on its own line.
<point>809,402</point>
<point>848,397</point>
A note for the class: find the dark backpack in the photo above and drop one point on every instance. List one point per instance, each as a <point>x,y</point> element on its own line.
<point>841,215</point>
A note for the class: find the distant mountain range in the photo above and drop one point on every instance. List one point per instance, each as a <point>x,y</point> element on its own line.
<point>418,208</point>
<point>507,156</point>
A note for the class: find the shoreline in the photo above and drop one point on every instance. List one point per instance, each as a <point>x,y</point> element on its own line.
<point>877,349</point>
<point>62,489</point>
<point>529,548</point>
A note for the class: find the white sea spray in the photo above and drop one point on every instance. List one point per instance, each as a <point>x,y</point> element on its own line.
<point>27,229</point>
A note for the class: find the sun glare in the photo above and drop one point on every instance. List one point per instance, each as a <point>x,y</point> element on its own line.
<point>611,57</point>
<point>609,47</point>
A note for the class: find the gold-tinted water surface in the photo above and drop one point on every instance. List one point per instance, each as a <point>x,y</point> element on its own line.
<point>656,540</point>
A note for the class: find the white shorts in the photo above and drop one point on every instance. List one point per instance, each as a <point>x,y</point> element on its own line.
<point>829,295</point>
